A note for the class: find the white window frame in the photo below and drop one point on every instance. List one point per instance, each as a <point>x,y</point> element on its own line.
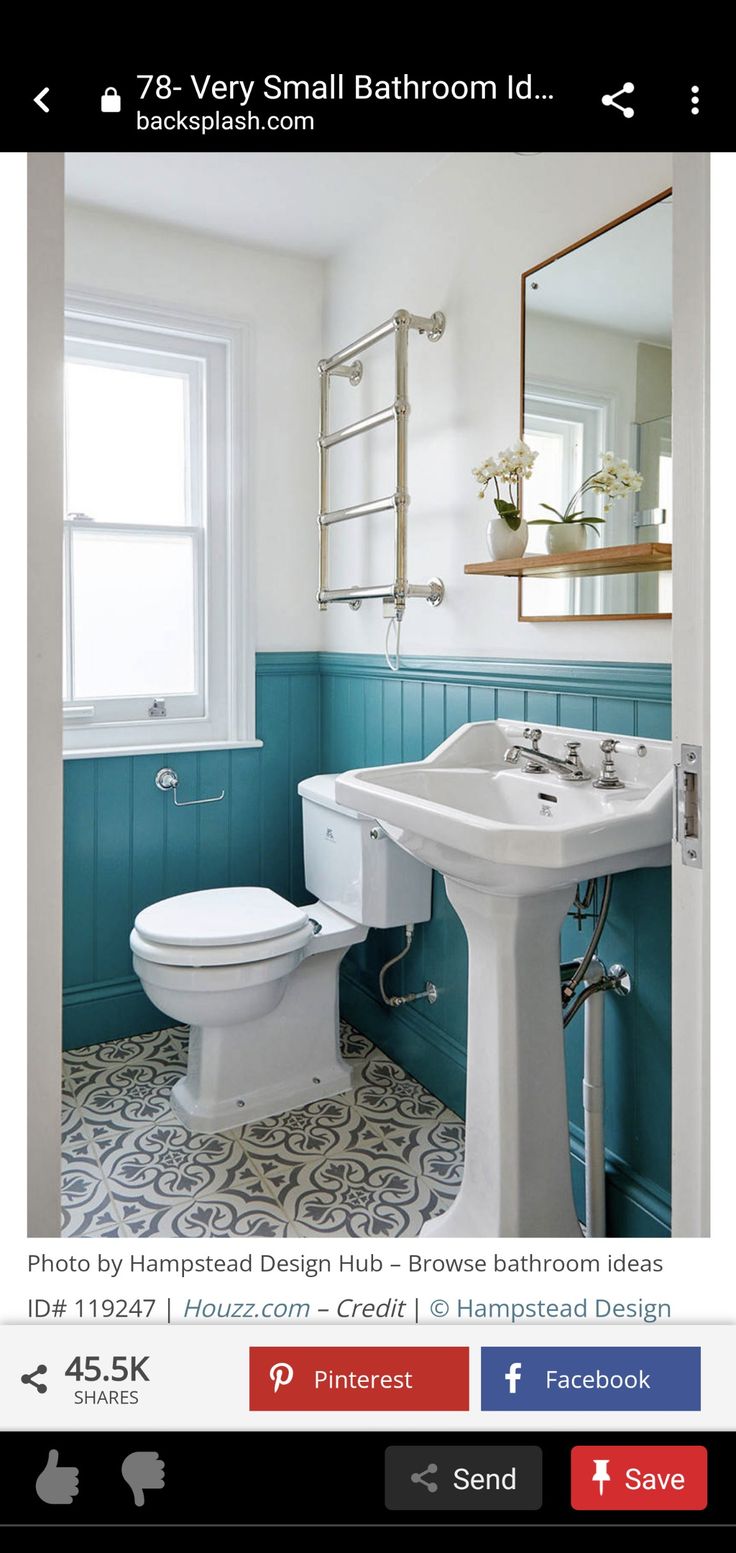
<point>596,413</point>
<point>213,349</point>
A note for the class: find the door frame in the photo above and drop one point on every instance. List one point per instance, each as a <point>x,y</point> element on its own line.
<point>45,193</point>
<point>690,692</point>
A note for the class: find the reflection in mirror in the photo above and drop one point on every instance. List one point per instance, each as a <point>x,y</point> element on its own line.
<point>597,379</point>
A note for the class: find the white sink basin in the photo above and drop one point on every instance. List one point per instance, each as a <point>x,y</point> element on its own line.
<point>513,844</point>
<point>467,813</point>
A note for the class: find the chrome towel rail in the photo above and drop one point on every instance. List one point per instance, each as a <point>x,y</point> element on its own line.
<point>346,363</point>
<point>433,591</point>
<point>362,509</point>
<point>369,423</point>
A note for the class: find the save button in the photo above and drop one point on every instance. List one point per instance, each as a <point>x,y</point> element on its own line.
<point>639,1477</point>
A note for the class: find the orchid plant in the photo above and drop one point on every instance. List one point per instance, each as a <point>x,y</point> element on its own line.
<point>614,479</point>
<point>509,467</point>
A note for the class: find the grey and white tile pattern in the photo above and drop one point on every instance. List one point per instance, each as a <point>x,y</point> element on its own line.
<point>376,1162</point>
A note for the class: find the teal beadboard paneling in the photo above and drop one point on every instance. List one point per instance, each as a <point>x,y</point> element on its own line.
<point>126,845</point>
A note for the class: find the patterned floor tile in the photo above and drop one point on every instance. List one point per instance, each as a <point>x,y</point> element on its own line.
<point>308,1133</point>
<point>71,1121</point>
<point>230,1213</point>
<point>385,1093</point>
<point>76,1147</point>
<point>352,1196</point>
<point>165,1162</point>
<point>352,1043</point>
<point>133,1093</point>
<point>162,1045</point>
<point>86,1207</point>
<point>377,1163</point>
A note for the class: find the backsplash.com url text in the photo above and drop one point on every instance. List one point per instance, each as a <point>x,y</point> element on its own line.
<point>217,122</point>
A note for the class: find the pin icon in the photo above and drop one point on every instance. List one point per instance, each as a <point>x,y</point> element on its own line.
<point>601,1475</point>
<point>280,1375</point>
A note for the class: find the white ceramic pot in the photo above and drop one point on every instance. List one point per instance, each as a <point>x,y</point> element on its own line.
<point>564,537</point>
<point>504,543</point>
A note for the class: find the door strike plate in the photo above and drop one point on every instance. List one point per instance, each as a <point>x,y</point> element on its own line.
<point>688,804</point>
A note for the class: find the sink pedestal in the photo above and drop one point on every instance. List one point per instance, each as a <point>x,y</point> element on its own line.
<point>517,1177</point>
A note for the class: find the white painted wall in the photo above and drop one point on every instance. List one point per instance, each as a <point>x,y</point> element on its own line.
<point>460,243</point>
<point>280,298</point>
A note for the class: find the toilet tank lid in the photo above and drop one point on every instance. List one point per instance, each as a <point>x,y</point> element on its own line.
<point>230,916</point>
<point>321,790</point>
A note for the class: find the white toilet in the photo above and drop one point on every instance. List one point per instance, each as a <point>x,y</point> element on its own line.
<point>257,978</point>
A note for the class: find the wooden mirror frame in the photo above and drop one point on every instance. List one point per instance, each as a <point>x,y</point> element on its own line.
<point>656,199</point>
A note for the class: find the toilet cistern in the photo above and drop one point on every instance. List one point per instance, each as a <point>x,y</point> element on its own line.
<point>512,855</point>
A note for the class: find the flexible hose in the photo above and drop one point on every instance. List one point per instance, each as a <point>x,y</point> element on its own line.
<point>584,901</point>
<point>395,1002</point>
<point>395,625</point>
<point>594,942</point>
<point>587,992</point>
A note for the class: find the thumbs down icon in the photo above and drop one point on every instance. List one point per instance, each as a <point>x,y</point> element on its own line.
<point>143,1471</point>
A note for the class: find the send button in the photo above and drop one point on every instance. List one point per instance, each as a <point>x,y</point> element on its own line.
<point>590,1380</point>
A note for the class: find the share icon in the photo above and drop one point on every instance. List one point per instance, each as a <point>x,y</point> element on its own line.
<point>30,1380</point>
<point>609,101</point>
<point>421,1477</point>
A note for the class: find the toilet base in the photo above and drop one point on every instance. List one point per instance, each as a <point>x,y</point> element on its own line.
<point>239,1073</point>
<point>201,1113</point>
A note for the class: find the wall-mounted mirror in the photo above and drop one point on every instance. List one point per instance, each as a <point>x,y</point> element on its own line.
<point>597,377</point>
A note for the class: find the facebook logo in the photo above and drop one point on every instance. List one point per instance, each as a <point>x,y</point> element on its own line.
<point>591,1379</point>
<point>513,1376</point>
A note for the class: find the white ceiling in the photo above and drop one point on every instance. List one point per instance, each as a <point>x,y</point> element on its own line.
<point>298,201</point>
<point>622,280</point>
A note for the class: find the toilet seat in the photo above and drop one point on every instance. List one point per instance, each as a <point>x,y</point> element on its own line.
<point>234,926</point>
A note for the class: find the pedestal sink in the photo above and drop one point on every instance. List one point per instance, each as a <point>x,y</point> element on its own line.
<point>513,844</point>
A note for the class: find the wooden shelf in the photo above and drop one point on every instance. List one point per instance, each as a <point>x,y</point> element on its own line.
<point>616,560</point>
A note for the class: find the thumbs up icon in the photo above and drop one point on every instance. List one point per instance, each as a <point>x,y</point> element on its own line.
<point>57,1485</point>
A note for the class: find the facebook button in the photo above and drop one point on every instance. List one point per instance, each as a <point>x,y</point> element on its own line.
<point>590,1380</point>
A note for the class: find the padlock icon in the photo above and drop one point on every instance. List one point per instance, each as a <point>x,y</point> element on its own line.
<point>110,101</point>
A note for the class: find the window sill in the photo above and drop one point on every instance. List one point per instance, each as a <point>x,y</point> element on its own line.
<point>177,747</point>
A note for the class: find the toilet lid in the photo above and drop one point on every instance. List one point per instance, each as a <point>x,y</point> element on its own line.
<point>209,917</point>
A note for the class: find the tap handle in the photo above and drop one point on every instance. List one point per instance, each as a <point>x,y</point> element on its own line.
<point>608,746</point>
<point>573,759</point>
<point>534,734</point>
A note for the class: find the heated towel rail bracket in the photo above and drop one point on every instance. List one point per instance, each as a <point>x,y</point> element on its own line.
<point>347,363</point>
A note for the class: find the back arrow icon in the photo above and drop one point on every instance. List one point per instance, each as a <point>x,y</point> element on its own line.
<point>39,100</point>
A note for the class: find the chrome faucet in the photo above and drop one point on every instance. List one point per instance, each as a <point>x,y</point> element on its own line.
<point>609,777</point>
<point>535,760</point>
